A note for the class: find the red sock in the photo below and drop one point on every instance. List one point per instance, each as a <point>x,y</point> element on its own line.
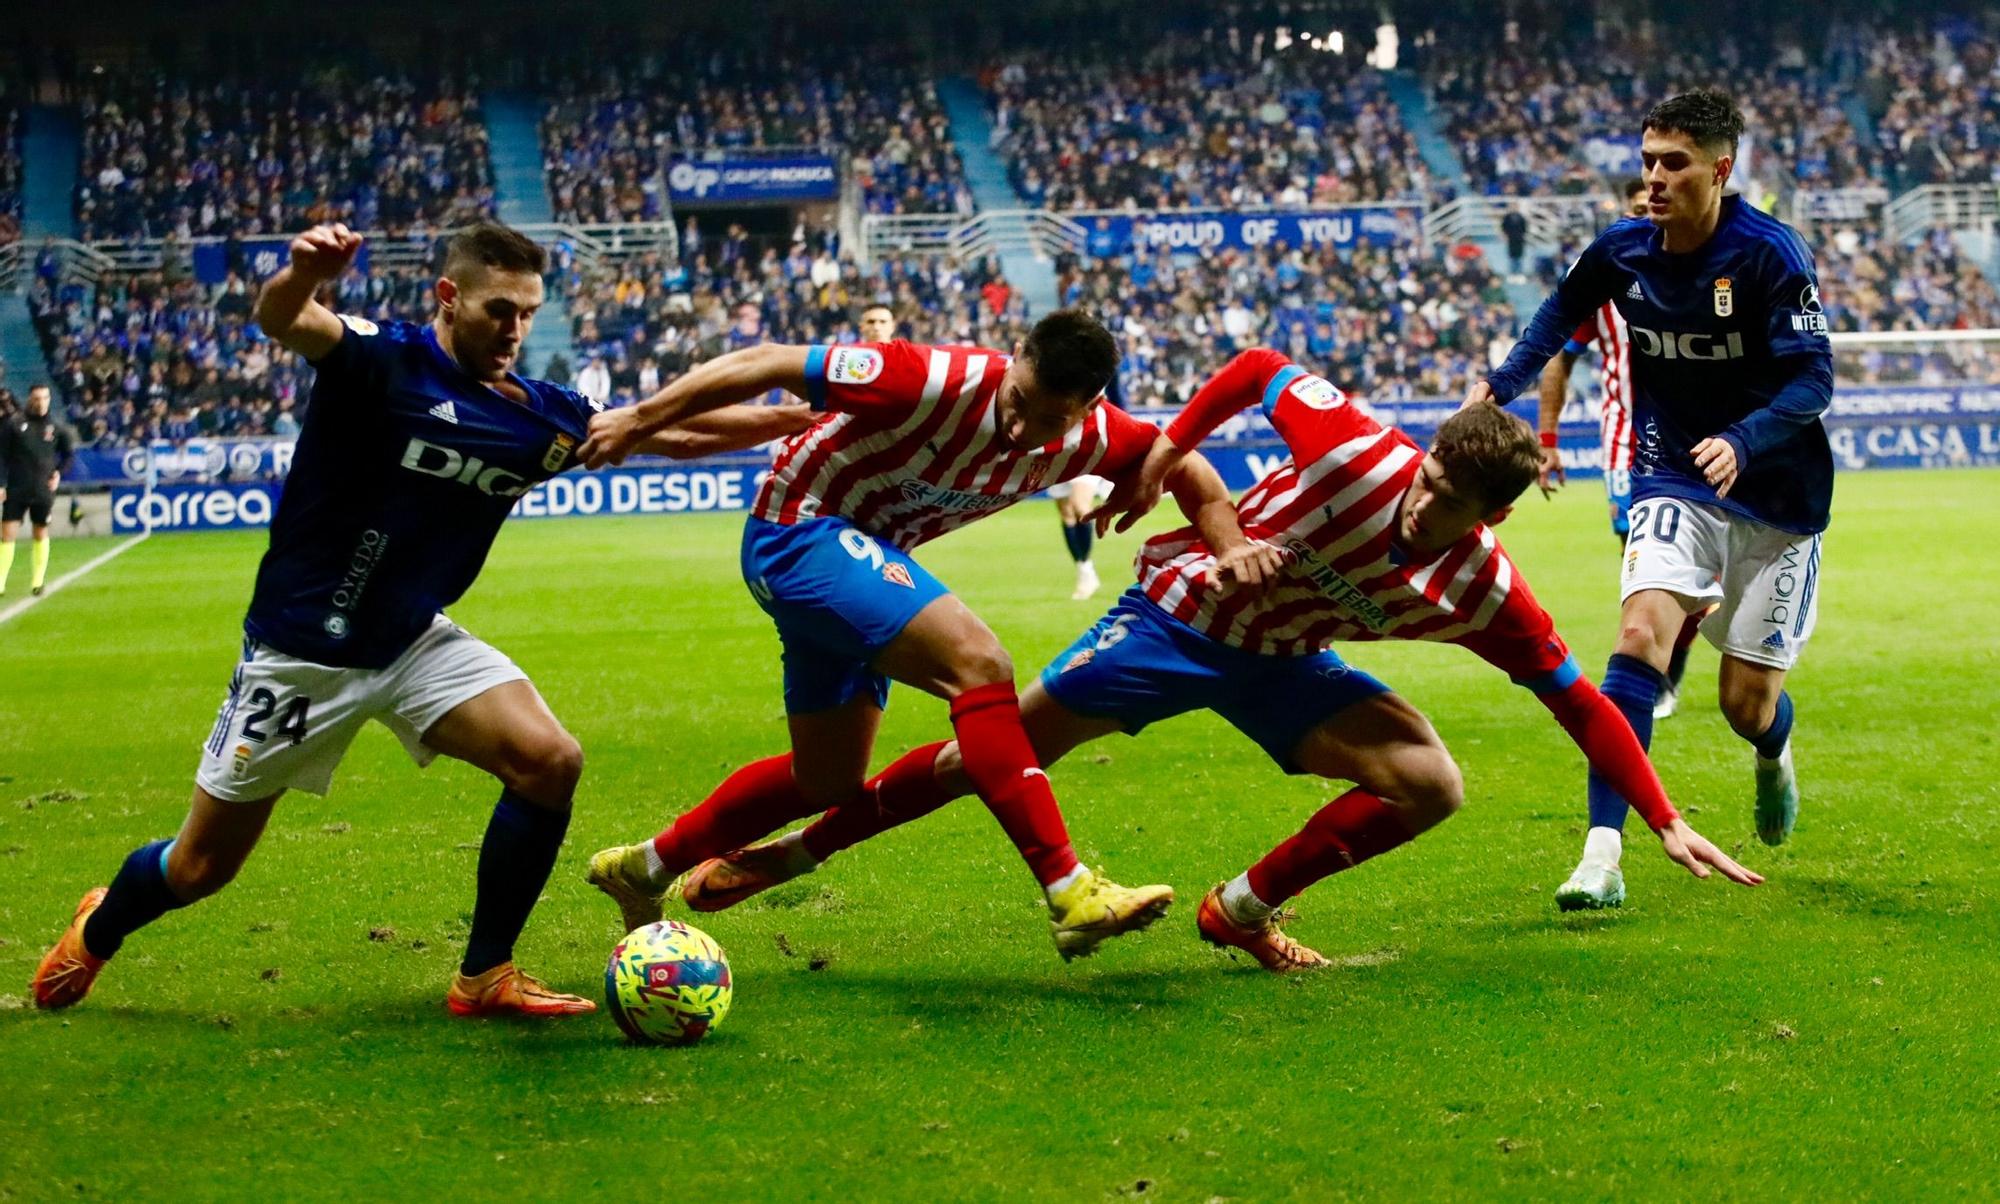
<point>752,802</point>
<point>907,790</point>
<point>1341,835</point>
<point>1003,769</point>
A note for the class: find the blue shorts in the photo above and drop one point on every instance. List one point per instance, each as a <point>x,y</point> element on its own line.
<point>839,595</point>
<point>1618,487</point>
<point>1140,665</point>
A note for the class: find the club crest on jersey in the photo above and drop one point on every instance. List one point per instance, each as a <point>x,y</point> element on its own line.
<point>1079,660</point>
<point>558,454</point>
<point>1318,393</point>
<point>897,573</point>
<point>360,326</point>
<point>1725,297</point>
<point>853,365</point>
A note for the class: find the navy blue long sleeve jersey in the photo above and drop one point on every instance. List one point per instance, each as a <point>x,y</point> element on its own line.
<point>404,472</point>
<point>1728,341</point>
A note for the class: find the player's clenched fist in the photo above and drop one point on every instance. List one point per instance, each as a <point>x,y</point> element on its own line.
<point>324,252</point>
<point>613,435</point>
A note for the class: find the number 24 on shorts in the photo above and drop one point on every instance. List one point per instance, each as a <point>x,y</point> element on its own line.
<point>264,705</point>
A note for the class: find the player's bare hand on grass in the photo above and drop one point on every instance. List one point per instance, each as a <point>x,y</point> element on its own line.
<point>1134,494</point>
<point>1551,477</point>
<point>324,252</point>
<point>613,435</point>
<point>1717,461</point>
<point>1248,566</point>
<point>1698,854</point>
<point>1478,393</point>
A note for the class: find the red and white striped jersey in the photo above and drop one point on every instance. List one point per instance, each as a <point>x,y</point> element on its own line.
<point>1333,506</point>
<point>1608,331</point>
<point>910,448</point>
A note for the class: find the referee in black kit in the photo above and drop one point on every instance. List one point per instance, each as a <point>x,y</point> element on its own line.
<point>34,451</point>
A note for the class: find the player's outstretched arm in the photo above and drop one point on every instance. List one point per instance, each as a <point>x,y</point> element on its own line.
<point>1238,386</point>
<point>1240,562</point>
<point>1555,390</point>
<point>285,308</point>
<point>1607,742</point>
<point>1586,286</point>
<point>729,429</point>
<point>724,380</point>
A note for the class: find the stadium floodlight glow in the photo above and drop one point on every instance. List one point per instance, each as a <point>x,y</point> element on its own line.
<point>1387,47</point>
<point>1282,38</point>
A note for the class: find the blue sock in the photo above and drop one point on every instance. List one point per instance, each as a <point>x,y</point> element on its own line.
<point>1779,734</point>
<point>1633,686</point>
<point>138,896</point>
<point>514,864</point>
<point>1078,536</point>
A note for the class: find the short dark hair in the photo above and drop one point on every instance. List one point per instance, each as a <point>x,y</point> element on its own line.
<point>492,245</point>
<point>1488,452</point>
<point>1073,354</point>
<point>1709,117</point>
<point>1632,188</point>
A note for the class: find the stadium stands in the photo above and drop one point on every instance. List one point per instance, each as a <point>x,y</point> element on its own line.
<point>1383,323</point>
<point>214,157</point>
<point>604,141</point>
<point>1201,123</point>
<point>10,172</point>
<point>1936,100</point>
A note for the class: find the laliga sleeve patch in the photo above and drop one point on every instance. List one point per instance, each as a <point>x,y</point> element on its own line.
<point>360,326</point>
<point>1318,393</point>
<point>853,365</point>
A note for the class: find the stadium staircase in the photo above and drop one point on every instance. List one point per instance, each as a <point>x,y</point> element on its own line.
<point>514,141</point>
<point>51,150</point>
<point>1033,275</point>
<point>1413,101</point>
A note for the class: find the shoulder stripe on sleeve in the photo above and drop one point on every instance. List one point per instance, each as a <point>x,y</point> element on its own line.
<point>1562,677</point>
<point>1279,383</point>
<point>816,375</point>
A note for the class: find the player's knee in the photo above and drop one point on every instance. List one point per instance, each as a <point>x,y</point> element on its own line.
<point>1747,709</point>
<point>544,767</point>
<point>981,662</point>
<point>1433,789</point>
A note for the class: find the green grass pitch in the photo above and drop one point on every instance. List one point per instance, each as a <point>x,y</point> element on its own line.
<point>902,1026</point>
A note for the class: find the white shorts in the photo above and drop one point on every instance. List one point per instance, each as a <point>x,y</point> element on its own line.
<point>1088,488</point>
<point>1765,580</point>
<point>286,723</point>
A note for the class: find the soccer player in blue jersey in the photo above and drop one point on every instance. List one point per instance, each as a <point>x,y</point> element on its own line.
<point>416,445</point>
<point>1731,371</point>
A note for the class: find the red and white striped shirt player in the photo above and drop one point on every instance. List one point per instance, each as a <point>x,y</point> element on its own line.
<point>1614,418</point>
<point>1334,508</point>
<point>910,448</point>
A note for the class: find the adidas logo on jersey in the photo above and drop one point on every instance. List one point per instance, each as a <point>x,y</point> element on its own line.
<point>1633,293</point>
<point>446,411</point>
<point>1776,640</point>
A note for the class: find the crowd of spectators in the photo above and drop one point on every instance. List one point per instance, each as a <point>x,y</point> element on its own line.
<point>1558,113</point>
<point>1936,99</point>
<point>1382,323</point>
<point>159,355</point>
<point>645,322</point>
<point>10,172</point>
<point>1215,121</point>
<point>250,156</point>
<point>604,141</point>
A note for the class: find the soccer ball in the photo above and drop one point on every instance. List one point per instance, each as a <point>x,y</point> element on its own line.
<point>667,984</point>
